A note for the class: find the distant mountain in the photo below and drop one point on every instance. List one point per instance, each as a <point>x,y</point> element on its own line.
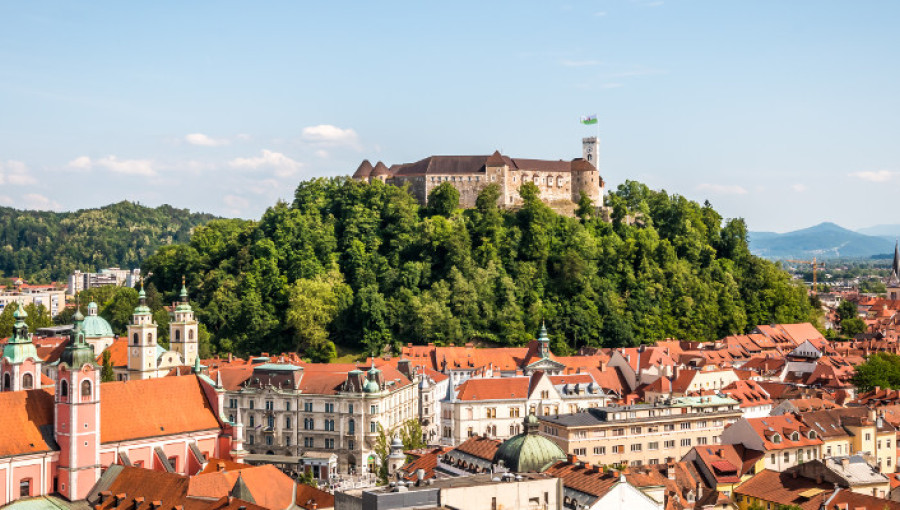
<point>889,232</point>
<point>824,241</point>
<point>44,246</point>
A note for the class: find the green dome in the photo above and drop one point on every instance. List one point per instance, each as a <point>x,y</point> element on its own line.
<point>371,387</point>
<point>96,327</point>
<point>528,452</point>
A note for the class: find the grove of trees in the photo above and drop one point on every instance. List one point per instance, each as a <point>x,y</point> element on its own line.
<point>363,265</point>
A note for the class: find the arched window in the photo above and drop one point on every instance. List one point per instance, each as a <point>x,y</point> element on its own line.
<point>190,334</point>
<point>177,335</point>
<point>137,339</point>
<point>64,388</point>
<point>86,389</point>
<point>6,382</point>
<point>27,382</point>
<point>149,338</point>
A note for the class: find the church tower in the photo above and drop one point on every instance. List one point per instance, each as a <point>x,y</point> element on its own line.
<point>20,364</point>
<point>77,417</point>
<point>893,281</point>
<point>142,346</point>
<point>183,329</point>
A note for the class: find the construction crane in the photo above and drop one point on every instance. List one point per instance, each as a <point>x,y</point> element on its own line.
<point>815,267</point>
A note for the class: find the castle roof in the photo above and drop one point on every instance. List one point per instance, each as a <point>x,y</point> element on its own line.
<point>457,165</point>
<point>364,170</point>
<point>380,169</point>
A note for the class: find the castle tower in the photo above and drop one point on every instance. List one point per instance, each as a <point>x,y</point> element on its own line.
<point>590,150</point>
<point>20,365</point>
<point>77,417</point>
<point>893,282</point>
<point>544,342</point>
<point>183,334</point>
<point>142,346</point>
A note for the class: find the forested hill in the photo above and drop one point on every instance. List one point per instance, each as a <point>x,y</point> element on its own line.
<point>44,246</point>
<point>363,264</point>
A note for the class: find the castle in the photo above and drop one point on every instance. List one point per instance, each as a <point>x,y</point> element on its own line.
<point>561,183</point>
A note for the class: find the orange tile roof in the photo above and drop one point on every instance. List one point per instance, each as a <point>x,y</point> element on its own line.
<point>154,407</point>
<point>310,498</point>
<point>142,487</point>
<point>495,388</point>
<point>24,414</point>
<point>269,486</point>
<point>748,393</point>
<point>480,447</point>
<point>784,426</point>
<point>118,353</point>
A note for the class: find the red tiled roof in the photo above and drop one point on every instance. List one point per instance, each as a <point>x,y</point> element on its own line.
<point>309,497</point>
<point>480,447</point>
<point>783,426</point>
<point>154,407</point>
<point>26,419</point>
<point>269,486</point>
<point>496,388</point>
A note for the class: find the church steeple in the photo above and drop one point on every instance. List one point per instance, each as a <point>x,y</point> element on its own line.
<point>20,363</point>
<point>893,282</point>
<point>544,341</point>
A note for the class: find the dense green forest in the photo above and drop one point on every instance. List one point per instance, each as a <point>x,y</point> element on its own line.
<point>43,246</point>
<point>361,264</point>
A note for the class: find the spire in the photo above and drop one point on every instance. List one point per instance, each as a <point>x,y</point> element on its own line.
<point>184,293</point>
<point>241,491</point>
<point>142,308</point>
<point>895,266</point>
<point>544,341</point>
<point>19,347</point>
<point>197,365</point>
<point>20,328</point>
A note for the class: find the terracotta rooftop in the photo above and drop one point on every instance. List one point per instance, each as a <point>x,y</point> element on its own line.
<point>27,422</point>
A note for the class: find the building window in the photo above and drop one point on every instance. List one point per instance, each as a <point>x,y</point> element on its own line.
<point>308,424</point>
<point>287,422</point>
<point>28,382</point>
<point>350,408</point>
<point>373,428</point>
<point>270,405</point>
<point>307,407</point>
<point>287,441</point>
<point>329,443</point>
<point>250,439</point>
<point>329,425</point>
<point>635,430</point>
<point>329,407</point>
<point>491,412</point>
<point>232,403</point>
<point>868,436</point>
<point>351,426</point>
<point>787,456</point>
<point>173,461</point>
<point>686,441</point>
<point>669,444</point>
<point>271,421</point>
<point>599,450</point>
<point>636,447</point>
<point>287,406</point>
<point>653,446</point>
<point>351,444</point>
<point>580,451</point>
<point>252,404</point>
<point>685,425</point>
<point>25,488</point>
<point>177,335</point>
<point>86,389</point>
<point>136,339</point>
<point>308,442</point>
<point>252,421</point>
<point>373,409</point>
<point>701,440</point>
<point>268,440</point>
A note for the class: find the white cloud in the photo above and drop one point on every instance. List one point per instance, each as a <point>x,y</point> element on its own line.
<point>5,200</point>
<point>322,154</point>
<point>326,133</point>
<point>15,173</point>
<point>204,140</point>
<point>799,188</point>
<point>81,162</point>
<point>282,165</point>
<point>722,189</point>
<point>116,165</point>
<point>40,202</point>
<point>874,175</point>
<point>242,137</point>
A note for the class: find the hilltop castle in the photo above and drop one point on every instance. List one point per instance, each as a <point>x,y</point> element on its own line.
<point>561,183</point>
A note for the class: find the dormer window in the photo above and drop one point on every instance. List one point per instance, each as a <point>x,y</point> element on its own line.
<point>811,434</point>
<point>795,436</point>
<point>776,438</point>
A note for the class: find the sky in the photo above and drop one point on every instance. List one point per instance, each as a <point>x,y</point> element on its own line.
<point>783,113</point>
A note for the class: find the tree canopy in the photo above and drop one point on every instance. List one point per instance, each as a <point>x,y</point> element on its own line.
<point>361,263</point>
<point>44,246</point>
<point>880,369</point>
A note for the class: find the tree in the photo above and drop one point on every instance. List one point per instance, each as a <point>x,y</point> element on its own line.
<point>881,369</point>
<point>443,200</point>
<point>314,304</point>
<point>38,317</point>
<point>585,208</point>
<point>106,372</point>
<point>7,320</point>
<point>847,310</point>
<point>852,327</point>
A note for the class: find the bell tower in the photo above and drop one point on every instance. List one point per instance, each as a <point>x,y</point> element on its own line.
<point>183,329</point>
<point>77,417</point>
<point>142,341</point>
<point>20,365</point>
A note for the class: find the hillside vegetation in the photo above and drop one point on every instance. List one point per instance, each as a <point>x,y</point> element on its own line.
<point>363,264</point>
<point>43,246</point>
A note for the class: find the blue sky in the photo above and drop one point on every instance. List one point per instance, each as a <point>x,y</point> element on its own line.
<point>784,113</point>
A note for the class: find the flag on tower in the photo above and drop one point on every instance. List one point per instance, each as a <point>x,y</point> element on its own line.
<point>589,119</point>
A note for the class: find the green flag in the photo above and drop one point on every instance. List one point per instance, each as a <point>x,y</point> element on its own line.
<point>589,119</point>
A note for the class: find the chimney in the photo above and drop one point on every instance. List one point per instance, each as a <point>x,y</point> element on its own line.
<point>156,504</point>
<point>120,497</point>
<point>313,505</point>
<point>670,470</point>
<point>138,501</point>
<point>571,458</point>
<point>220,467</point>
<point>104,495</point>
